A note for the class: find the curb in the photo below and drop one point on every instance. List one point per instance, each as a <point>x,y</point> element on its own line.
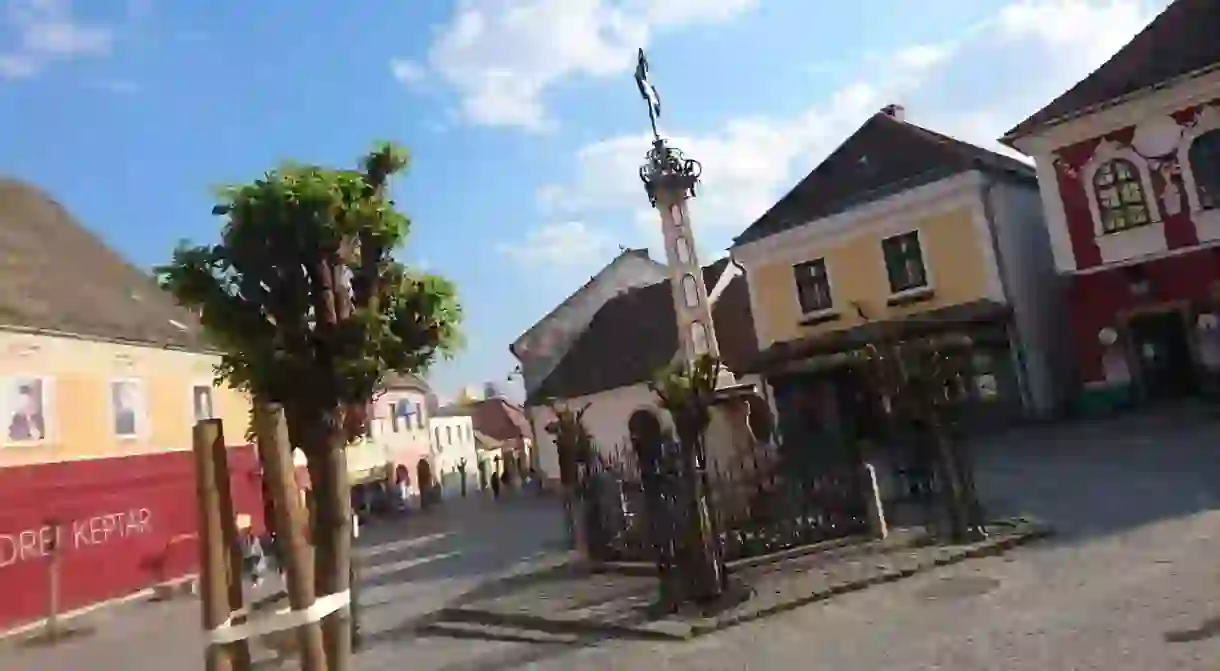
<point>1023,531</point>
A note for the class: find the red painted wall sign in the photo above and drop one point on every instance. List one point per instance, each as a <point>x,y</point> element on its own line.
<point>119,525</point>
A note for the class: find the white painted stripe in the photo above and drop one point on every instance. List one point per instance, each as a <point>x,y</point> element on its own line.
<point>394,546</point>
<point>394,567</point>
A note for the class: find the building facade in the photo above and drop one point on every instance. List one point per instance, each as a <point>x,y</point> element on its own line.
<point>452,441</point>
<point>1129,165</point>
<point>902,230</point>
<point>102,377</point>
<point>633,338</point>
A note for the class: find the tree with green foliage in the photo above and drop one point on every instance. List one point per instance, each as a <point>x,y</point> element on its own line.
<point>687,391</point>
<point>914,379</point>
<point>309,308</point>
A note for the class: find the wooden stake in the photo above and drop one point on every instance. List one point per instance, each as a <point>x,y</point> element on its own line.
<point>212,552</point>
<point>228,529</point>
<point>275,451</point>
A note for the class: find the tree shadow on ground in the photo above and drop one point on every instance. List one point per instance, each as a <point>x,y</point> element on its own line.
<point>1099,477</point>
<point>1210,628</point>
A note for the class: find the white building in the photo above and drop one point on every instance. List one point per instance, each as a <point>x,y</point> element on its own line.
<point>632,338</point>
<point>451,440</point>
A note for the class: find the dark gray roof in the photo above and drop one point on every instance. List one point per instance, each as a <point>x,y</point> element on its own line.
<point>884,157</point>
<point>634,336</point>
<point>1183,40</point>
<point>58,277</point>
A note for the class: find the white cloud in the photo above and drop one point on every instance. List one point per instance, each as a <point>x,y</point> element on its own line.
<point>408,72</point>
<point>501,56</point>
<point>974,87</point>
<point>567,244</point>
<point>47,31</point>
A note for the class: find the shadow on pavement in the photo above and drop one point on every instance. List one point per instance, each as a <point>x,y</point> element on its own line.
<point>1100,477</point>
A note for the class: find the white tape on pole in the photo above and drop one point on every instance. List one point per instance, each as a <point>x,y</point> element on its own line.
<point>281,620</point>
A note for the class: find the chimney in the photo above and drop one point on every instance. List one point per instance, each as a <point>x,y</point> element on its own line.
<point>895,111</point>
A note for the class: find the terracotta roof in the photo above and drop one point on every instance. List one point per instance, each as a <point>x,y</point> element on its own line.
<point>635,336</point>
<point>61,278</point>
<point>1181,41</point>
<point>883,157</point>
<point>500,419</point>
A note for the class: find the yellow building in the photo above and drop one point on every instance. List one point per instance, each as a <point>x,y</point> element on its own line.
<point>903,228</point>
<point>95,360</point>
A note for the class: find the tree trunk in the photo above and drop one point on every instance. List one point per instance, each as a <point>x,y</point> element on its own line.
<point>332,532</point>
<point>703,569</point>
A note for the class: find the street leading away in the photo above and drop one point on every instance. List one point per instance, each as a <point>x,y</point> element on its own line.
<point>1129,584</point>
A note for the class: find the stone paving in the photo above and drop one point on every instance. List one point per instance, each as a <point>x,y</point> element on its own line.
<point>1128,583</point>
<point>574,601</point>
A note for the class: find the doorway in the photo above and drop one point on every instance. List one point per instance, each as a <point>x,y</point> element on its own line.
<point>1161,348</point>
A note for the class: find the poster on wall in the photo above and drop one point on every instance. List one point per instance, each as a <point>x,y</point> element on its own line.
<point>25,409</point>
<point>127,403</point>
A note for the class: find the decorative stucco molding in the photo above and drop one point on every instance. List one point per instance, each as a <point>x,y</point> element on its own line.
<point>1207,222</point>
<point>1136,241</point>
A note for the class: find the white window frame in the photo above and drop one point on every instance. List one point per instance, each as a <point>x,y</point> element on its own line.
<point>1207,222</point>
<point>923,256</point>
<point>48,408</point>
<point>191,399</point>
<point>141,411</point>
<point>1132,242</point>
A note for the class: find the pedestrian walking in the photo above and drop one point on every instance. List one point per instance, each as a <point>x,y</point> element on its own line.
<point>495,485</point>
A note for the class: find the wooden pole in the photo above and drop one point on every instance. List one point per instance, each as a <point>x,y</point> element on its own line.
<point>212,553</point>
<point>228,530</point>
<point>275,451</point>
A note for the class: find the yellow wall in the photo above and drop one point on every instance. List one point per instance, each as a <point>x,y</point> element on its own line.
<point>78,412</point>
<point>953,254</point>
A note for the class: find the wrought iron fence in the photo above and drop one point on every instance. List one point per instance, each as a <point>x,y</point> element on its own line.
<point>759,505</point>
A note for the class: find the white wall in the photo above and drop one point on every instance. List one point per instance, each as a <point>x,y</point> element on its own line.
<point>1034,291</point>
<point>606,420</point>
<point>540,349</point>
<point>451,439</point>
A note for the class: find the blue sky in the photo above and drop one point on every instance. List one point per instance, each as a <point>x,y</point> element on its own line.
<point>523,120</point>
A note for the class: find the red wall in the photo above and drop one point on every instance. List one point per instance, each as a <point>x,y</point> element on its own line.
<point>1098,298</point>
<point>1179,229</point>
<point>125,524</point>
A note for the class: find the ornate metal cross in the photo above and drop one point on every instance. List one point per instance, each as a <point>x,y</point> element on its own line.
<point>647,91</point>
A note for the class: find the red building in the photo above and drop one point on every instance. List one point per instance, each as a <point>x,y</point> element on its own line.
<point>1129,168</point>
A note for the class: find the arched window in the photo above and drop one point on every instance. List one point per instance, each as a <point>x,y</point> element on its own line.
<point>682,250</point>
<point>1121,201</point>
<point>1205,165</point>
<point>690,292</point>
<point>698,336</point>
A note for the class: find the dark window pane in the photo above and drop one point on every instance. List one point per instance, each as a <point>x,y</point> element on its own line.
<point>1205,166</point>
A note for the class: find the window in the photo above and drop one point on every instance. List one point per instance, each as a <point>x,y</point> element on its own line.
<point>1120,196</point>
<point>127,408</point>
<point>812,286</point>
<point>690,291</point>
<point>27,402</point>
<point>682,250</point>
<point>1205,165</point>
<point>201,402</point>
<point>448,435</point>
<point>419,416</point>
<point>904,262</point>
<point>393,418</point>
<point>698,334</point>
<point>437,432</point>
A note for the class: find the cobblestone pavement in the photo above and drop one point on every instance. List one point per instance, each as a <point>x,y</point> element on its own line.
<point>410,568</point>
<point>1129,585</point>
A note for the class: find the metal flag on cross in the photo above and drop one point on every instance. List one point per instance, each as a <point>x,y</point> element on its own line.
<point>647,90</point>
